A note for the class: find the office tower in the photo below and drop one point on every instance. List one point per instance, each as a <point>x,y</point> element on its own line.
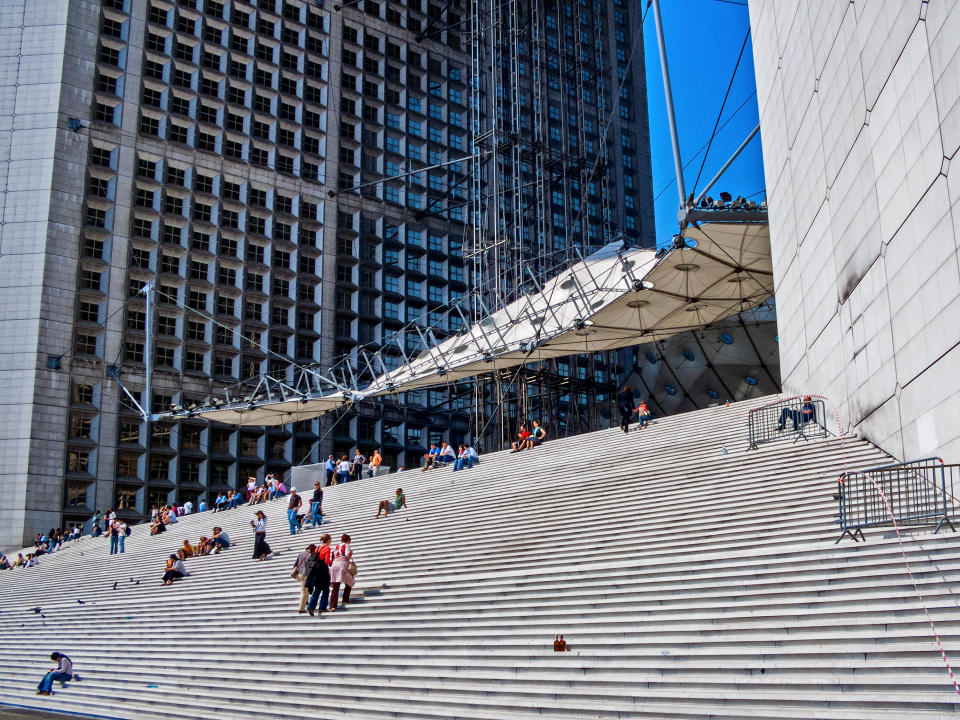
<point>233,157</point>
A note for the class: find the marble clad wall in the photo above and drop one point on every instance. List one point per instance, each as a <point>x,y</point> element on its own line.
<point>860,116</point>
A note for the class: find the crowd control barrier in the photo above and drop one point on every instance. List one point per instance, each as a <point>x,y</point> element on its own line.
<point>794,417</point>
<point>919,492</point>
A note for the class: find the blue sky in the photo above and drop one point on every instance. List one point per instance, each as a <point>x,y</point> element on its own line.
<point>703,39</point>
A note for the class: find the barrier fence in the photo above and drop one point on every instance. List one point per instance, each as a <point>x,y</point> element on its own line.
<point>919,492</point>
<point>799,418</point>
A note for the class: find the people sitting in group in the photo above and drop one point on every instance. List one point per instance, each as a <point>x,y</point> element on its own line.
<point>466,458</point>
<point>800,417</point>
<point>643,415</point>
<point>157,526</point>
<point>522,436</point>
<point>173,571</point>
<point>220,504</point>
<point>4,563</point>
<point>385,506</point>
<point>431,458</point>
<point>21,561</point>
<point>202,505</point>
<point>32,560</point>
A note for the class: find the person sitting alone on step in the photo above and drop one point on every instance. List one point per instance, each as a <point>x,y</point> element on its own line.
<point>805,414</point>
<point>173,571</point>
<point>62,673</point>
<point>522,436</point>
<point>385,506</point>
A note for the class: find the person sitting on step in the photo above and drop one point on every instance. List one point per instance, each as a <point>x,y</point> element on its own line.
<point>537,436</point>
<point>173,571</point>
<point>220,540</point>
<point>62,673</point>
<point>521,441</point>
<point>385,506</point>
<point>431,457</point>
<point>186,550</point>
<point>447,454</point>
<point>800,417</point>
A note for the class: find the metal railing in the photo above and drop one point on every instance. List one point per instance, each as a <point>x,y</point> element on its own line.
<point>798,418</point>
<point>919,492</point>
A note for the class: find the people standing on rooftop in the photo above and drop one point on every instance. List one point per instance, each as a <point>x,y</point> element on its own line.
<point>173,571</point>
<point>316,505</point>
<point>260,548</point>
<point>344,469</point>
<point>340,572</point>
<point>374,467</point>
<point>356,467</point>
<point>293,508</point>
<point>625,407</point>
<point>318,578</point>
<point>123,531</point>
<point>114,534</point>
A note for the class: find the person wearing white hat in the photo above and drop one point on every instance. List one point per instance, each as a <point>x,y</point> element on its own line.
<point>292,508</point>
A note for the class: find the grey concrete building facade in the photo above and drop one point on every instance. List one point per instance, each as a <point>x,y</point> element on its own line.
<point>203,146</point>
<point>860,115</point>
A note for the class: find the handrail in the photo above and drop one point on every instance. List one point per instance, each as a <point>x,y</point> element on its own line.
<point>917,492</point>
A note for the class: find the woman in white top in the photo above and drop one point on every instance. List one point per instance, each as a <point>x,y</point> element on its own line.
<point>260,547</point>
<point>340,572</point>
<point>343,467</point>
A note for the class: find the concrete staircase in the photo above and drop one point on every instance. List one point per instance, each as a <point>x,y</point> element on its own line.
<point>687,583</point>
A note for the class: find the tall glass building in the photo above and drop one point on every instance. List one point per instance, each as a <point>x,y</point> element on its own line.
<point>235,155</point>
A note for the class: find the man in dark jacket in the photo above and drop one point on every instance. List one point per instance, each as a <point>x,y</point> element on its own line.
<point>625,406</point>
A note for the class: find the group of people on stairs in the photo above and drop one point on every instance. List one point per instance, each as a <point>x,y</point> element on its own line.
<point>321,570</point>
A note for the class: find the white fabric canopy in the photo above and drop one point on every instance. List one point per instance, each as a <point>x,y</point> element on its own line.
<point>614,298</point>
<point>610,300</point>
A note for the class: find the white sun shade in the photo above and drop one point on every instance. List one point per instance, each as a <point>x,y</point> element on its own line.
<point>614,298</point>
<point>611,299</point>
